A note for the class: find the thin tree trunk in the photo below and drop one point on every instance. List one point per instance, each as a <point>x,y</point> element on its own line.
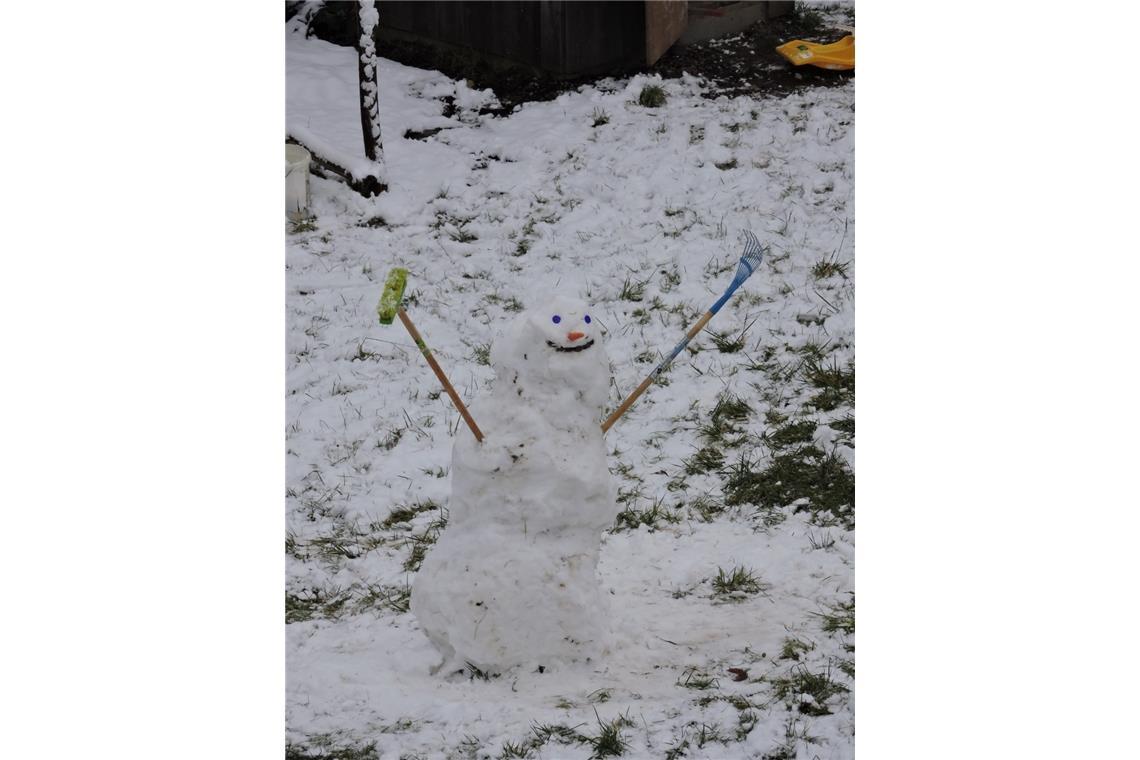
<point>368,19</point>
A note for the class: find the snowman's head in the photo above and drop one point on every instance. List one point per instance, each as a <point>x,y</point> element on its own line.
<point>551,351</point>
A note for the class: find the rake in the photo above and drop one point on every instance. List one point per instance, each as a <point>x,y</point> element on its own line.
<point>749,262</point>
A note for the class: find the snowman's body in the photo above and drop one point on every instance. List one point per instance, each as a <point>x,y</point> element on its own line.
<point>512,579</point>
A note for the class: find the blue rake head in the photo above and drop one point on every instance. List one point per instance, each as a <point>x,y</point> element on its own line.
<point>751,258</point>
<point>749,262</point>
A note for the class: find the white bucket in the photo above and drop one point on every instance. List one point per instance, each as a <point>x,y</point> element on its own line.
<point>296,181</point>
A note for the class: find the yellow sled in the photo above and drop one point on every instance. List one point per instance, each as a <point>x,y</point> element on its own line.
<point>838,55</point>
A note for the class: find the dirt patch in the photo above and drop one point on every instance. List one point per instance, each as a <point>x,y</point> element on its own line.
<point>747,63</point>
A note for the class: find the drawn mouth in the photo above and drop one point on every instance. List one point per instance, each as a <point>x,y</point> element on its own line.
<point>582,347</point>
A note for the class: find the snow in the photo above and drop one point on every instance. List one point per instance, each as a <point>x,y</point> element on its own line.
<point>493,214</point>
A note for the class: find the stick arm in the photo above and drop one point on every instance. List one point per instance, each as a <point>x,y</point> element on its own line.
<point>403,315</point>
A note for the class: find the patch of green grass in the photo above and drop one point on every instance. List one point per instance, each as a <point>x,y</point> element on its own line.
<point>298,752</point>
<point>645,357</point>
<point>379,597</point>
<point>655,516</point>
<point>695,679</point>
<point>836,384</point>
<point>482,354</point>
<point>599,117</point>
<point>678,750</point>
<point>725,420</point>
<point>406,513</point>
<point>390,441</point>
<point>633,290</point>
<point>609,742</point>
<point>474,671</point>
<point>460,234</point>
<point>807,692</point>
<point>746,721</point>
<point>726,343</point>
<point>807,19</point>
<point>315,602</point>
<point>824,541</point>
<point>510,303</point>
<point>707,459</point>
<point>545,732</point>
<point>841,618</point>
<point>825,268</point>
<point>737,583</point>
<point>820,483</point>
<point>670,278</point>
<point>363,355</point>
<point>641,316</point>
<point>845,427</point>
<point>706,507</point>
<point>303,224</point>
<point>652,96</point>
<point>599,695</point>
<point>794,433</point>
<point>707,733</point>
<point>513,749</point>
<point>421,542</point>
<point>793,649</point>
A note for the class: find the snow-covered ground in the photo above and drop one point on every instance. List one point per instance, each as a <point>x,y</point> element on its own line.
<point>637,211</point>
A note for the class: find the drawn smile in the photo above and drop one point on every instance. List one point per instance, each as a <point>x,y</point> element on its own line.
<point>582,347</point>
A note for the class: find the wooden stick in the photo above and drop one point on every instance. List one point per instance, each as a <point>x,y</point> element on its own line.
<point>653,375</point>
<point>403,315</point>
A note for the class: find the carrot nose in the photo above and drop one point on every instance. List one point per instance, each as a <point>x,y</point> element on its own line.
<point>575,335</point>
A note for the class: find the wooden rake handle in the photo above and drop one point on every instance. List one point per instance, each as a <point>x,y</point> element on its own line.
<point>403,315</point>
<point>693,331</point>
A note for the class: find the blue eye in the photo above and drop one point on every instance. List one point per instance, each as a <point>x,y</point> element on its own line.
<point>587,319</point>
<point>556,319</point>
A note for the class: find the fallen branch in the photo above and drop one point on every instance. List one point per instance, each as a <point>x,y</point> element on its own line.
<point>362,175</point>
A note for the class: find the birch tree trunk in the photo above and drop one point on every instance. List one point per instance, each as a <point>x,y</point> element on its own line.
<point>369,70</point>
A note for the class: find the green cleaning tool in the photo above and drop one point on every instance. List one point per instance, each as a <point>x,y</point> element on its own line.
<point>392,305</point>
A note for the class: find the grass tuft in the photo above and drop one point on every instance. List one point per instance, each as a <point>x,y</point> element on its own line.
<point>695,679</point>
<point>841,619</point>
<point>806,691</point>
<point>707,459</point>
<point>652,96</point>
<point>738,583</point>
<point>303,224</point>
<point>599,117</point>
<point>655,516</point>
<point>482,354</point>
<point>825,268</point>
<point>836,384</point>
<point>407,513</point>
<point>793,649</point>
<point>632,290</point>
<point>725,420</point>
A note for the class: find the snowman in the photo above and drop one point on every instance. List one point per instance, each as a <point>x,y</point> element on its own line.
<point>512,580</point>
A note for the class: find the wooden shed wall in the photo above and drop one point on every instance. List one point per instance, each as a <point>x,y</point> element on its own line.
<point>564,38</point>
